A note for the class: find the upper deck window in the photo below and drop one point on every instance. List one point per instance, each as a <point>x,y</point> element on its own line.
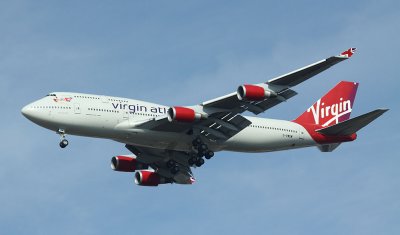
<point>51,94</point>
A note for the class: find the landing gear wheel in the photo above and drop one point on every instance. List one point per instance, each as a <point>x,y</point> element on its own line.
<point>64,143</point>
<point>196,142</point>
<point>200,162</point>
<point>170,164</point>
<point>175,169</point>
<point>192,161</point>
<point>209,154</point>
<point>202,147</point>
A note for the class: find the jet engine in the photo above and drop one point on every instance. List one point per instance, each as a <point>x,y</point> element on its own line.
<point>183,114</point>
<point>150,178</point>
<point>254,93</point>
<point>126,164</point>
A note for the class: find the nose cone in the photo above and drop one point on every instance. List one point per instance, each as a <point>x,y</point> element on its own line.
<point>26,111</point>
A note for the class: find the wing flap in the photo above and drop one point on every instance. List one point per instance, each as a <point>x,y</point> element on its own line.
<point>269,103</point>
<point>228,126</point>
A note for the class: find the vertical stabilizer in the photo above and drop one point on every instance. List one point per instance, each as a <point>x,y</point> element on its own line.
<point>332,108</point>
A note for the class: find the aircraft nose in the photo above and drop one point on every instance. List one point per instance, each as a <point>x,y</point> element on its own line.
<point>25,111</point>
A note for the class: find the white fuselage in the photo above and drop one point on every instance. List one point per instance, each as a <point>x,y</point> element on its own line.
<point>115,118</point>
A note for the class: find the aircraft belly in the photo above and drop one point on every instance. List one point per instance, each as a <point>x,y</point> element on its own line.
<point>156,139</point>
<point>266,135</point>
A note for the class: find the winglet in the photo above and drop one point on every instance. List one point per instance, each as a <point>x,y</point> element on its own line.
<point>348,53</point>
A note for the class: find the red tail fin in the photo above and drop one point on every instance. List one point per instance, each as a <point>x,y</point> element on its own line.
<point>334,107</point>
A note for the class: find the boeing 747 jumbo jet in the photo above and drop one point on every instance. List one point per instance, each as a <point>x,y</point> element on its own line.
<point>167,141</point>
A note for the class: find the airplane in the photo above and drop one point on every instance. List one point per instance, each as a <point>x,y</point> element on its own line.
<point>166,142</point>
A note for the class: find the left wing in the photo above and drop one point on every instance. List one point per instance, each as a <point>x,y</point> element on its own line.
<point>219,119</point>
<point>260,97</point>
<point>158,160</point>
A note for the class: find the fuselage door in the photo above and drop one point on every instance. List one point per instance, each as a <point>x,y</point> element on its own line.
<point>77,108</point>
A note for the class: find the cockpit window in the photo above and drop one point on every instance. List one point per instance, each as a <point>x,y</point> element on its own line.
<point>51,94</point>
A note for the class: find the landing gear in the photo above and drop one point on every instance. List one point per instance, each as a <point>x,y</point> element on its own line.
<point>196,142</point>
<point>170,164</point>
<point>173,166</point>
<point>191,161</point>
<point>200,150</point>
<point>63,142</point>
<point>199,162</point>
<point>209,154</point>
<point>175,169</point>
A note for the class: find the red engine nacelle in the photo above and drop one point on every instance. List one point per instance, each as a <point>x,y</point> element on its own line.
<point>183,114</point>
<point>126,164</point>
<point>150,178</point>
<point>253,93</point>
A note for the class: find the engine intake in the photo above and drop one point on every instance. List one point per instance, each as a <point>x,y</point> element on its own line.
<point>254,93</point>
<point>183,114</point>
<point>126,164</point>
<point>150,178</point>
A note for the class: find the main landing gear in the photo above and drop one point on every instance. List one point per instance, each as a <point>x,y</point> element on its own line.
<point>202,150</point>
<point>63,142</point>
<point>173,166</point>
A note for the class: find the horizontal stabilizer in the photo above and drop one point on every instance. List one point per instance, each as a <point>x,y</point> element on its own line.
<point>353,125</point>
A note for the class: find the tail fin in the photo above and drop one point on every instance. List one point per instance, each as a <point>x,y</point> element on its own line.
<point>332,108</point>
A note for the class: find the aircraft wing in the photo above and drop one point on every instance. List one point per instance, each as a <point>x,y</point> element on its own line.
<point>280,85</point>
<point>223,114</point>
<point>157,159</point>
<point>218,126</point>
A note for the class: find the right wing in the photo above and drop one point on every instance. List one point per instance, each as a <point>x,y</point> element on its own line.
<point>218,126</point>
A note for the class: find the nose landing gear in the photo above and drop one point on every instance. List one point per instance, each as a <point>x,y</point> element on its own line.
<point>63,142</point>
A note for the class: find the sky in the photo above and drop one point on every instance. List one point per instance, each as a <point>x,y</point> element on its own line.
<point>184,53</point>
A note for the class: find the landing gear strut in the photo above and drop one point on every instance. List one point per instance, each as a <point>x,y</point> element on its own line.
<point>63,142</point>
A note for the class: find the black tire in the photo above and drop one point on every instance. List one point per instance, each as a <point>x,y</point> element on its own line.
<point>196,142</point>
<point>200,162</point>
<point>202,147</point>
<point>175,169</point>
<point>209,154</point>
<point>170,164</point>
<point>63,143</point>
<point>191,161</point>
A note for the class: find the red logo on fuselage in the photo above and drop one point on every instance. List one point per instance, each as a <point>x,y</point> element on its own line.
<point>66,99</point>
